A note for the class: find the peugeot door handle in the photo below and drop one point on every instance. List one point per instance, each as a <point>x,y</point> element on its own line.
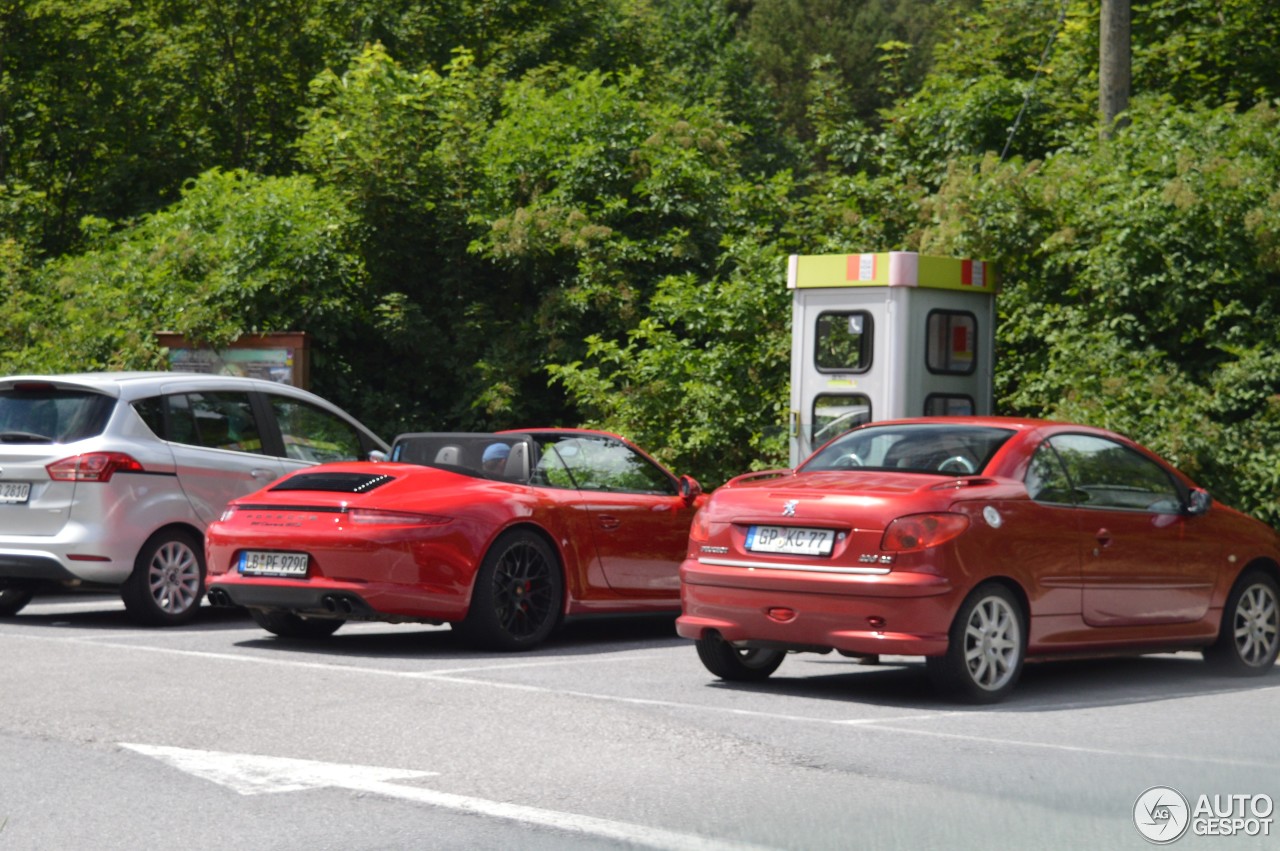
<point>608,522</point>
<point>262,474</point>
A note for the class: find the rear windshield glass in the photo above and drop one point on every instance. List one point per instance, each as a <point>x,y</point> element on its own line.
<point>44,414</point>
<point>934,448</point>
<point>333,482</point>
<point>505,457</point>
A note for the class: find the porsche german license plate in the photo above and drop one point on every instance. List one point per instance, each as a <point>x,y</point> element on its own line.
<point>14,492</point>
<point>790,540</point>
<point>258,563</point>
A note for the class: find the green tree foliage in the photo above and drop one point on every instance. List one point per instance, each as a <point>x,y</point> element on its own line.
<point>1141,283</point>
<point>608,202</point>
<point>237,254</point>
<point>66,72</point>
<point>555,204</point>
<point>787,38</point>
<point>1207,51</point>
<point>701,378</point>
<point>465,200</point>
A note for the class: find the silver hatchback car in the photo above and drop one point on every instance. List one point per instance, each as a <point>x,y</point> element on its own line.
<point>109,479</point>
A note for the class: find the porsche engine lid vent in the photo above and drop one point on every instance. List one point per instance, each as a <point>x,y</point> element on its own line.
<point>333,482</point>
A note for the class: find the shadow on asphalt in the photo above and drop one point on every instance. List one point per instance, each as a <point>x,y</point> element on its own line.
<point>388,641</point>
<point>899,682</point>
<point>99,611</point>
<point>103,610</point>
<point>1045,686</point>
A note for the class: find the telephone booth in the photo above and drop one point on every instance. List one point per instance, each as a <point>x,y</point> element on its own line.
<point>883,336</point>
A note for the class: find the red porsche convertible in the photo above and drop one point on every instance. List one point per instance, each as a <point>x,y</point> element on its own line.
<point>501,535</point>
<point>976,543</point>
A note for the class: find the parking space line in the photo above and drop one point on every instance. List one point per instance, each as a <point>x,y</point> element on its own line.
<point>541,663</point>
<point>55,608</point>
<point>1022,743</point>
<point>878,724</point>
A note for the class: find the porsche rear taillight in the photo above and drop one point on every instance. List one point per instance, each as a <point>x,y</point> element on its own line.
<point>922,531</point>
<point>92,467</point>
<point>379,517</point>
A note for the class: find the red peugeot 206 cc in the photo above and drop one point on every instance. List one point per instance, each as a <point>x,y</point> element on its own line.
<point>976,543</point>
<point>500,535</point>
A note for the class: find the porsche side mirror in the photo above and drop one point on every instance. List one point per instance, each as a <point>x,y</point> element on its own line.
<point>689,488</point>
<point>1198,502</point>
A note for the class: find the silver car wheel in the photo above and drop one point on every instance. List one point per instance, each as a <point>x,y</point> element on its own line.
<point>173,575</point>
<point>1257,622</point>
<point>992,643</point>
<point>13,599</point>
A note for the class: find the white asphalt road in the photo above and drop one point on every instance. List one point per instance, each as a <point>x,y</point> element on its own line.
<point>611,736</point>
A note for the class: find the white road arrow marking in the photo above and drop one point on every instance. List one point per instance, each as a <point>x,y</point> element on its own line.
<point>250,775</point>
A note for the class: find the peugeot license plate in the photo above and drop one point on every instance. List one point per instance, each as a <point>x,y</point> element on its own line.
<point>790,540</point>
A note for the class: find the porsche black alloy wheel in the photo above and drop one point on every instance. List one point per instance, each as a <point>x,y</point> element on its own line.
<point>518,594</point>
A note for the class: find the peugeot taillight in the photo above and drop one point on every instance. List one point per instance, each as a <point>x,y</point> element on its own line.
<point>700,529</point>
<point>92,467</point>
<point>922,531</point>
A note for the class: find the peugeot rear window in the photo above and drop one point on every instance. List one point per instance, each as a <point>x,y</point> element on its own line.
<point>42,413</point>
<point>941,448</point>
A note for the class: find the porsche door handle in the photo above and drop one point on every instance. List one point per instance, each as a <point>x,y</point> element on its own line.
<point>608,522</point>
<point>1103,537</point>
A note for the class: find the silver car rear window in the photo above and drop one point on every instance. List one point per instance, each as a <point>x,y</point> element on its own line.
<point>41,413</point>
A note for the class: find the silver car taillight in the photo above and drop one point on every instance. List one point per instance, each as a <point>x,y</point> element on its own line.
<point>92,467</point>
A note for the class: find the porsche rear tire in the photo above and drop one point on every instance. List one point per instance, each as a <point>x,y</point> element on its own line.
<point>518,595</point>
<point>986,648</point>
<point>1249,638</point>
<point>737,665</point>
<point>289,625</point>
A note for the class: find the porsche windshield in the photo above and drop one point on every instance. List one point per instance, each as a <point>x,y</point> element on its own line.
<point>941,448</point>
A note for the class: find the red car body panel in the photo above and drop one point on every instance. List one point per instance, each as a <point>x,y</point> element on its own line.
<point>1089,580</point>
<point>618,552</point>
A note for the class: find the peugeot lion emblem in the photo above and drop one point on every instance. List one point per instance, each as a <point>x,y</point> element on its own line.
<point>789,508</point>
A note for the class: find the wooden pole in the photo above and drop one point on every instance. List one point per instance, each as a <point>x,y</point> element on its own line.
<point>1114,66</point>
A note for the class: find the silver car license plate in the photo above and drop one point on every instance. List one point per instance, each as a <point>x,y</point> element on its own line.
<point>14,492</point>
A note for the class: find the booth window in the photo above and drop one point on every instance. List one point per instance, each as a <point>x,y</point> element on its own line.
<point>835,413</point>
<point>952,342</point>
<point>843,342</point>
<point>948,405</point>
